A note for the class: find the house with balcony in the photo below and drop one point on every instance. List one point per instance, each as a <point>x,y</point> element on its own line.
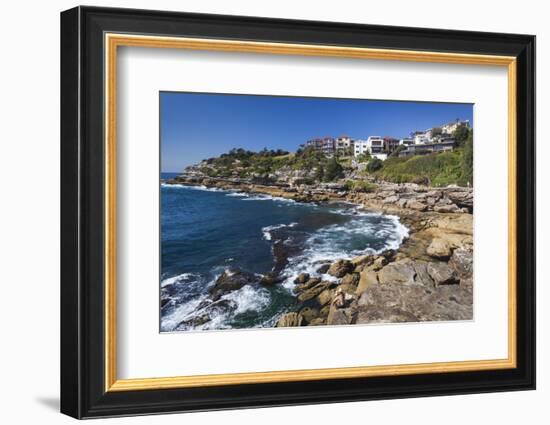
<point>444,145</point>
<point>374,146</point>
<point>450,128</point>
<point>390,144</point>
<point>344,145</point>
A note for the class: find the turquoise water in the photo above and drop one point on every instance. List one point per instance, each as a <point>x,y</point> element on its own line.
<point>205,231</point>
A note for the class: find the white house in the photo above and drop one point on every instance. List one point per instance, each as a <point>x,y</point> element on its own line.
<point>343,144</point>
<point>421,138</point>
<point>374,146</point>
<point>406,142</point>
<point>452,126</point>
<point>360,147</point>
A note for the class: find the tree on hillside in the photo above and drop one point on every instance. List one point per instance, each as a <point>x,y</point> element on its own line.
<point>364,157</point>
<point>374,165</point>
<point>333,170</point>
<point>395,152</point>
<point>461,134</point>
<point>468,160</point>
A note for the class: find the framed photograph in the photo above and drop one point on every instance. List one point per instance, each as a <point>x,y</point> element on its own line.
<point>261,212</point>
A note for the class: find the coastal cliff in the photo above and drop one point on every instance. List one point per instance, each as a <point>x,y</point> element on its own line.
<point>429,277</point>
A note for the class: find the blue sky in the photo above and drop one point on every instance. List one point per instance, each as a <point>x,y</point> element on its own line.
<point>195,126</point>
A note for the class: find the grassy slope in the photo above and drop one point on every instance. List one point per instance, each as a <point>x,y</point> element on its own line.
<point>438,169</point>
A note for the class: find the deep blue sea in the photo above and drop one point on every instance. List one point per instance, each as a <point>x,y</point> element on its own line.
<point>204,231</point>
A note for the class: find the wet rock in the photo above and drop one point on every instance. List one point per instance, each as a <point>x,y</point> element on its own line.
<point>231,280</point>
<point>439,248</point>
<point>290,320</point>
<point>323,269</point>
<point>442,274</point>
<point>302,278</point>
<point>193,322</point>
<point>270,279</point>
<point>206,311</point>
<point>309,284</point>
<point>398,272</point>
<point>340,268</point>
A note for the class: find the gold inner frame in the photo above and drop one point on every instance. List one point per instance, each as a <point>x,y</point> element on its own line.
<point>113,41</point>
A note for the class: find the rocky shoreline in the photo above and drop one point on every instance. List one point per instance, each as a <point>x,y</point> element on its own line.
<point>428,278</point>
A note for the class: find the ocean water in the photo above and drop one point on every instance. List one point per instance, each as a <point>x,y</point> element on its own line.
<point>206,231</point>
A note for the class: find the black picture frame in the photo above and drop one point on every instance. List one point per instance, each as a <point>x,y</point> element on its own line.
<point>83,392</point>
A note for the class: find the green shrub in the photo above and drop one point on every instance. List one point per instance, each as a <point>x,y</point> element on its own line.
<point>360,186</point>
<point>374,165</point>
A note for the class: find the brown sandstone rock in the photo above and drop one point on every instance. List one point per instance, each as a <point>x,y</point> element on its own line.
<point>313,291</point>
<point>340,268</point>
<point>302,278</point>
<point>415,205</point>
<point>367,278</point>
<point>351,279</point>
<point>290,320</point>
<point>439,248</point>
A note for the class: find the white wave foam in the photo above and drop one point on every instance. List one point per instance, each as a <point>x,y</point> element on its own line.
<point>268,229</point>
<point>238,194</point>
<point>177,279</point>
<point>190,187</point>
<point>334,242</point>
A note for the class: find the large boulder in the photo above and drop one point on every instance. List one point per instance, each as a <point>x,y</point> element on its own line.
<point>439,248</point>
<point>351,279</point>
<point>362,259</point>
<point>367,278</point>
<point>462,262</point>
<point>422,276</point>
<point>309,284</point>
<point>442,274</point>
<point>340,268</point>
<point>206,312</point>
<point>325,297</point>
<point>398,272</point>
<point>231,280</point>
<point>312,292</point>
<point>341,316</point>
<point>309,314</point>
